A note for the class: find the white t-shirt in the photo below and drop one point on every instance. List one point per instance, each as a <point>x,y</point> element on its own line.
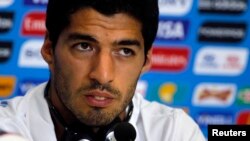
<point>29,117</point>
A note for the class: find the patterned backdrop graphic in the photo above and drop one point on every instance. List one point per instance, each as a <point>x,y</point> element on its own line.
<point>200,57</point>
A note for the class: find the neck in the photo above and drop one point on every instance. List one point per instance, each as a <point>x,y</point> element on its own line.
<point>63,118</point>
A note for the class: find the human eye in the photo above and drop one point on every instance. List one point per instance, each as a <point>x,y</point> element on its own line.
<point>83,46</point>
<point>126,52</point>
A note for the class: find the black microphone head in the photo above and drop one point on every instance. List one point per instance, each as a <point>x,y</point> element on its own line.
<point>124,132</point>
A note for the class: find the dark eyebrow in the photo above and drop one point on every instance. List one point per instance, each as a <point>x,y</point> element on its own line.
<point>129,42</point>
<point>123,42</point>
<point>78,36</point>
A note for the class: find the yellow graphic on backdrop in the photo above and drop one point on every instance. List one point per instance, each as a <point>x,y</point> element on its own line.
<point>167,92</point>
<point>7,85</point>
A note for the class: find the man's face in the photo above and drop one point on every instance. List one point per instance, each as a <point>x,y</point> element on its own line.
<point>96,64</point>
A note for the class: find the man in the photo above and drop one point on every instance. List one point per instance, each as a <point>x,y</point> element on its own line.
<point>96,51</point>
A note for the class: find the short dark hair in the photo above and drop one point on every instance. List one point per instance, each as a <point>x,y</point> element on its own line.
<point>145,11</point>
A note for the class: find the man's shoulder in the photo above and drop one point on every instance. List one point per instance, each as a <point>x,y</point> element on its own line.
<point>169,123</point>
<point>157,113</point>
<point>18,104</point>
<point>9,107</point>
<point>16,113</point>
<point>156,108</point>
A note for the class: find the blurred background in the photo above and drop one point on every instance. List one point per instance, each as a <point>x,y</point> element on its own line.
<point>200,57</point>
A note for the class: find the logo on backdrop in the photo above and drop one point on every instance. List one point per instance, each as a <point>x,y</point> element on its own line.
<point>5,51</point>
<point>214,94</point>
<point>243,117</point>
<point>7,86</point>
<point>175,7</point>
<point>6,21</point>
<point>172,92</point>
<point>209,118</point>
<point>243,97</point>
<point>6,3</point>
<point>170,58</point>
<point>26,85</point>
<point>222,32</point>
<point>34,24</point>
<point>227,61</point>
<point>167,92</point>
<point>172,29</point>
<point>30,55</point>
<point>36,2</point>
<point>223,6</point>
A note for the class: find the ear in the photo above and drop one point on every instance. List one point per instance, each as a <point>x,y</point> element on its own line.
<point>47,51</point>
<point>148,61</point>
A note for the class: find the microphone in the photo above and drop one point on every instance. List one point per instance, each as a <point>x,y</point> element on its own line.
<point>4,136</point>
<point>122,132</point>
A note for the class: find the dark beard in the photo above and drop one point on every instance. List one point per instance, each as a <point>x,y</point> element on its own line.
<point>95,116</point>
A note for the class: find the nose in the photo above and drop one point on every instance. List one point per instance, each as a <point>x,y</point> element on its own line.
<point>102,68</point>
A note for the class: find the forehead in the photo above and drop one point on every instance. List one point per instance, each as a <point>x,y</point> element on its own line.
<point>90,17</point>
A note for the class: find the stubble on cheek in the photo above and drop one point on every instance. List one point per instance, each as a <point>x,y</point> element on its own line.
<point>93,116</point>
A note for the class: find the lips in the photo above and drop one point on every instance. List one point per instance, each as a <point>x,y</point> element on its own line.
<point>99,99</point>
